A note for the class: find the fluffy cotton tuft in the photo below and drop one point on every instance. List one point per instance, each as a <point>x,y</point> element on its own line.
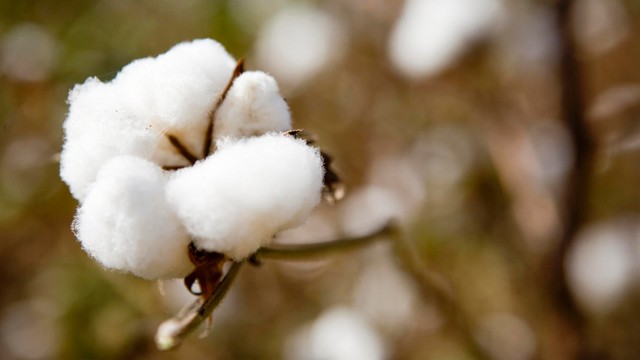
<point>97,129</point>
<point>237,199</point>
<point>253,106</point>
<point>130,115</point>
<point>125,222</point>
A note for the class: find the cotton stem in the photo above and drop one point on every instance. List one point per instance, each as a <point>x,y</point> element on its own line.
<point>307,251</point>
<point>173,331</point>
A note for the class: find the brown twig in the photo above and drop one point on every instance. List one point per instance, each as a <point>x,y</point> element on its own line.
<point>307,251</point>
<point>208,139</point>
<point>576,187</point>
<point>172,332</point>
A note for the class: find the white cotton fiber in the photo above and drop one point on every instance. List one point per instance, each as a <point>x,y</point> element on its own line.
<point>98,128</point>
<point>238,198</point>
<point>257,182</point>
<point>253,106</point>
<point>175,91</point>
<point>126,224</point>
<point>180,86</point>
<point>130,115</point>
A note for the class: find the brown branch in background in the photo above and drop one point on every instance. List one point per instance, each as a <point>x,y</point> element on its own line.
<point>182,149</point>
<point>208,139</point>
<point>576,187</point>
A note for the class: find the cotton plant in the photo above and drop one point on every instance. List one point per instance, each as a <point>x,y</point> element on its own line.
<point>184,163</point>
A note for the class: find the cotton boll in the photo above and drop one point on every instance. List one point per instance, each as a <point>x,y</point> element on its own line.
<point>126,224</point>
<point>600,267</point>
<point>190,77</point>
<point>136,84</point>
<point>205,55</point>
<point>430,34</point>
<point>90,102</point>
<point>174,92</point>
<point>299,42</point>
<point>98,128</point>
<point>131,115</point>
<point>237,199</point>
<point>253,106</point>
<point>177,88</point>
<point>338,333</point>
<point>28,52</point>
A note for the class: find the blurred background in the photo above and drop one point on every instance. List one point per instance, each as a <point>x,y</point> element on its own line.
<point>441,114</point>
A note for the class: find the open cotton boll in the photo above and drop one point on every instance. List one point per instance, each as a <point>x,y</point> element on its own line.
<point>253,106</point>
<point>126,224</point>
<point>237,199</point>
<point>172,93</point>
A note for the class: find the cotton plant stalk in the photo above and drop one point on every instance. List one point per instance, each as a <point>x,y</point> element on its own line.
<point>184,163</point>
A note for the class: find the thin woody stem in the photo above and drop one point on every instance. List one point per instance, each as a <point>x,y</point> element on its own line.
<point>429,284</point>
<point>307,251</point>
<point>173,331</point>
<point>182,149</point>
<point>208,140</point>
<point>576,187</point>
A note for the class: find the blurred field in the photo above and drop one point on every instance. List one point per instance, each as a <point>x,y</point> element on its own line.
<point>469,155</point>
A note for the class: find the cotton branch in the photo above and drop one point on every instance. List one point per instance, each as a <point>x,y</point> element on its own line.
<point>307,251</point>
<point>173,331</point>
<point>576,187</point>
<point>578,179</point>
